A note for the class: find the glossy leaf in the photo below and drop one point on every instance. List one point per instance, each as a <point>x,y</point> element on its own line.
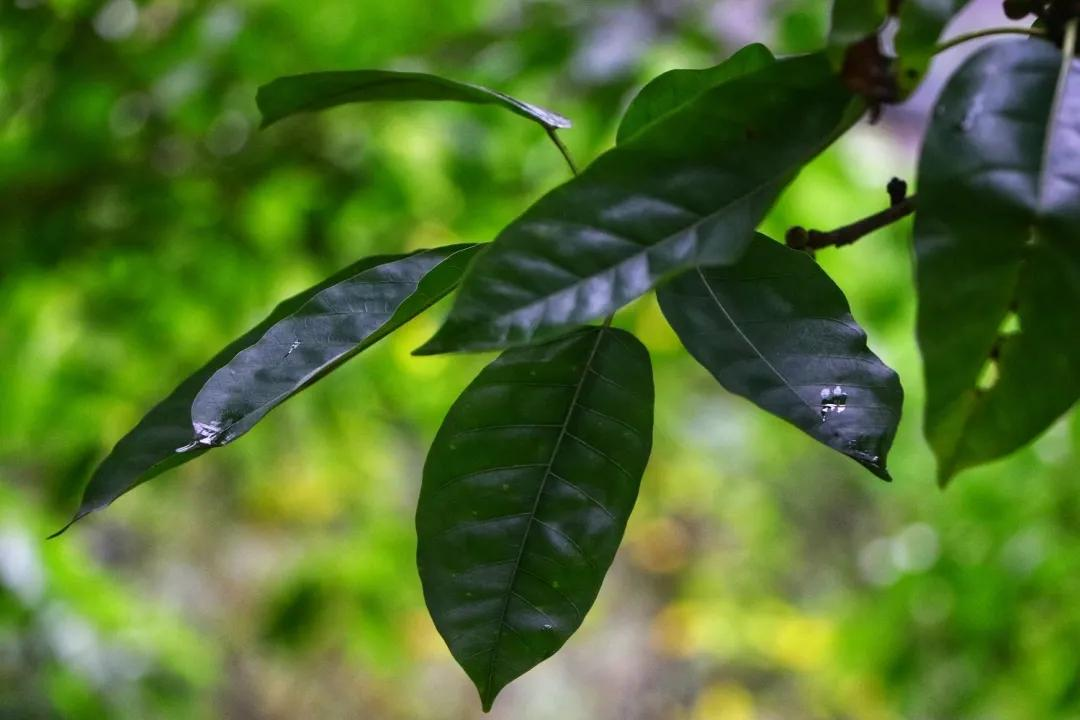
<point>775,329</point>
<point>691,188</point>
<point>318,91</point>
<point>676,88</point>
<point>996,240</point>
<point>526,493</point>
<point>913,40</point>
<point>151,447</point>
<point>330,328</point>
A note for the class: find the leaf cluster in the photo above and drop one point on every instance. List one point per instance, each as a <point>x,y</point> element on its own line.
<point>533,475</point>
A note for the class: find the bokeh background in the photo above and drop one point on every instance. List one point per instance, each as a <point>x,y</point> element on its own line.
<point>145,222</point>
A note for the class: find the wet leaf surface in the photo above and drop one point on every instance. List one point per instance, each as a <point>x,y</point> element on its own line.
<point>255,373</point>
<point>775,329</point>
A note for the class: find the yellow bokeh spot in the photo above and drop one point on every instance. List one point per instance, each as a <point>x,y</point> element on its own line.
<point>412,336</point>
<point>725,701</point>
<point>652,328</point>
<point>672,630</point>
<point>660,546</point>
<point>421,638</point>
<point>800,642</point>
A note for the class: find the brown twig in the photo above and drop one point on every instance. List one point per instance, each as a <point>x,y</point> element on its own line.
<point>900,207</point>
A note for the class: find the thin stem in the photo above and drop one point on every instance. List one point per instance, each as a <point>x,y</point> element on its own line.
<point>802,239</point>
<point>988,32</point>
<point>554,135</point>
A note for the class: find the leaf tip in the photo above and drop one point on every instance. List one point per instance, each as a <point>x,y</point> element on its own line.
<point>83,512</point>
<point>437,344</point>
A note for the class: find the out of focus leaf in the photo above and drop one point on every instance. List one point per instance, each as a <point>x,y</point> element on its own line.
<point>152,447</point>
<point>913,40</point>
<point>330,328</point>
<point>675,88</point>
<point>526,493</point>
<point>997,253</point>
<point>318,91</point>
<point>853,20</point>
<point>775,329</point>
<point>689,189</point>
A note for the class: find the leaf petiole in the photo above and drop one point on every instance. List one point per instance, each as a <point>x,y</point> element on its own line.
<point>988,32</point>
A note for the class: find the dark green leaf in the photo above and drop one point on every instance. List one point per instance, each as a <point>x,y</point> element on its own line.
<point>675,88</point>
<point>330,328</point>
<point>317,91</point>
<point>917,32</point>
<point>775,329</point>
<point>689,189</point>
<point>996,239</point>
<point>526,493</point>
<point>151,447</point>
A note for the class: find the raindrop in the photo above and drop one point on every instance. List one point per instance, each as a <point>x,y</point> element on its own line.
<point>292,346</point>
<point>833,401</point>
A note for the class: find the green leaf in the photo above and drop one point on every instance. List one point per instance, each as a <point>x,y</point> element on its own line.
<point>998,257</point>
<point>152,446</point>
<point>317,91</point>
<point>775,329</point>
<point>689,189</point>
<point>675,88</point>
<point>526,493</point>
<point>917,32</point>
<point>853,20</point>
<point>328,330</point>
<point>921,25</point>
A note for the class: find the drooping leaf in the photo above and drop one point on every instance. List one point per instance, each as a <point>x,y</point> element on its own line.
<point>921,25</point>
<point>151,447</point>
<point>775,329</point>
<point>913,39</point>
<point>998,257</point>
<point>675,88</point>
<point>526,493</point>
<point>691,188</point>
<point>317,91</point>
<point>329,329</point>
<point>853,20</point>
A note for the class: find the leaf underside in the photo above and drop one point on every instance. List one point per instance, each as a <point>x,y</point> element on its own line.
<point>526,492</point>
<point>321,90</point>
<point>997,252</point>
<point>775,329</point>
<point>150,448</point>
<point>688,189</point>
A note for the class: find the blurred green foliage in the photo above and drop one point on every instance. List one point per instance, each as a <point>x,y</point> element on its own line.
<point>144,223</point>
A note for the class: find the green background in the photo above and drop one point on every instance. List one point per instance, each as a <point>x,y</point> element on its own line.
<point>145,222</point>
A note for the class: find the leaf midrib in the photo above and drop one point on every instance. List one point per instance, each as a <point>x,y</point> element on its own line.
<point>563,432</point>
<point>750,343</point>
